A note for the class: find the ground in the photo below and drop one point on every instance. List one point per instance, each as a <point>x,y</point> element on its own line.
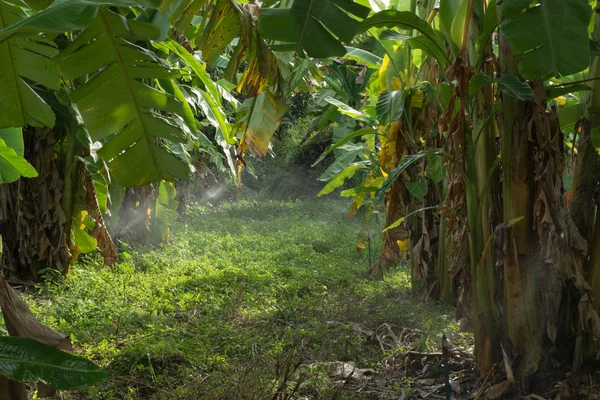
<point>257,299</point>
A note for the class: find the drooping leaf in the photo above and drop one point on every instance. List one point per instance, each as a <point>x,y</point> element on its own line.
<point>511,86</point>
<point>338,180</point>
<point>64,16</point>
<point>27,360</point>
<point>314,26</point>
<point>410,21</point>
<point>130,118</point>
<point>343,141</point>
<point>360,55</point>
<point>390,106</point>
<point>13,165</point>
<point>26,62</point>
<point>550,39</point>
<point>259,118</point>
<point>349,111</point>
<point>352,151</point>
<point>262,69</point>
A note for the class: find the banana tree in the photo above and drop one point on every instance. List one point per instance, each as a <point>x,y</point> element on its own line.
<point>504,218</point>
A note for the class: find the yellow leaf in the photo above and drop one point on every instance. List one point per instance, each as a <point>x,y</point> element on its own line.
<point>382,73</point>
<point>137,204</point>
<point>561,100</point>
<point>417,99</point>
<point>403,245</point>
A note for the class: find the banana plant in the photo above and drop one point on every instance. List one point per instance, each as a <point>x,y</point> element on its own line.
<point>492,232</point>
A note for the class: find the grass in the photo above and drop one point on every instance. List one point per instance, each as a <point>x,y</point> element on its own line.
<point>248,300</point>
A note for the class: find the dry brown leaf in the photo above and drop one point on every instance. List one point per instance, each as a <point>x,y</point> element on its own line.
<point>497,391</point>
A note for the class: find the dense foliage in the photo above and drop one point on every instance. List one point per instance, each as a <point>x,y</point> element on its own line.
<point>471,123</point>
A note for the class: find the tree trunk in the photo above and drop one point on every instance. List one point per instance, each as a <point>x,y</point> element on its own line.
<point>31,214</point>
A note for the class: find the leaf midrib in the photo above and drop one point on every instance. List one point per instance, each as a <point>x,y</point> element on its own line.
<point>545,13</point>
<point>138,112</point>
<point>54,366</point>
<point>11,65</point>
<point>305,24</point>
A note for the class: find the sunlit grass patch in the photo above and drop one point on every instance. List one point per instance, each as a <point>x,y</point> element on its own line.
<point>241,290</point>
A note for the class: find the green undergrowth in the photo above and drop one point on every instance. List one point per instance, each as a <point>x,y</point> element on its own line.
<point>248,300</point>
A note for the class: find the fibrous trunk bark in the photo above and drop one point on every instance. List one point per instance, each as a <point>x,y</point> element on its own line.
<point>32,219</point>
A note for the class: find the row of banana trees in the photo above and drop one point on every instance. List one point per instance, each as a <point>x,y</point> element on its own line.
<point>468,119</point>
<point>478,130</point>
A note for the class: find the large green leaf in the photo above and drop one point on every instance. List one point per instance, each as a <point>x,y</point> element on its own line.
<point>390,106</point>
<point>551,39</point>
<point>26,61</point>
<point>315,26</point>
<point>66,15</point>
<point>407,20</point>
<point>131,119</point>
<point>258,119</point>
<point>12,163</point>
<point>27,360</point>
